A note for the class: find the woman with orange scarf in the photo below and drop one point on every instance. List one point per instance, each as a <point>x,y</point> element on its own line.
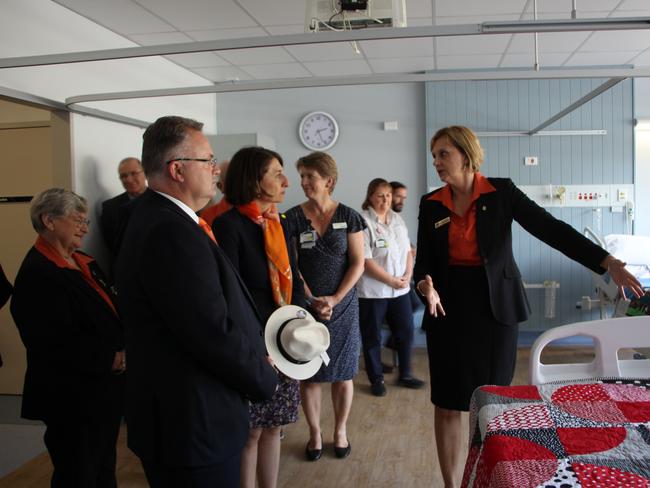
<point>252,236</point>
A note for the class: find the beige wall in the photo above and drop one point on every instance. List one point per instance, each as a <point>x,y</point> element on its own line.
<point>34,155</point>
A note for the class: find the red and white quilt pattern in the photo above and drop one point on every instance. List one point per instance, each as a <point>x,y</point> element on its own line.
<point>579,434</point>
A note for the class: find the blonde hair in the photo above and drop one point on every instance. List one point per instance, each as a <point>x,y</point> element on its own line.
<point>465,141</point>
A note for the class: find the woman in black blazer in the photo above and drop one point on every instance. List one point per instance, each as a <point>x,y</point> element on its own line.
<point>468,278</point>
<point>64,311</point>
<point>252,235</point>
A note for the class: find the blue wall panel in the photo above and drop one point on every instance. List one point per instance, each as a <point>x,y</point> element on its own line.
<point>511,105</point>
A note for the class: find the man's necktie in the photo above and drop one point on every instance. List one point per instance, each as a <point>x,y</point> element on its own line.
<point>206,228</point>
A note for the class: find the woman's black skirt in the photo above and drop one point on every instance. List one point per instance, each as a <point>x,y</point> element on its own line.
<point>468,347</point>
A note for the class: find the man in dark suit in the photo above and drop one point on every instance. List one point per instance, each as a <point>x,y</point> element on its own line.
<point>135,183</point>
<point>194,338</point>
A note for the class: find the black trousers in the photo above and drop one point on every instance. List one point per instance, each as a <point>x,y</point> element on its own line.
<point>222,475</point>
<point>399,316</point>
<point>83,452</point>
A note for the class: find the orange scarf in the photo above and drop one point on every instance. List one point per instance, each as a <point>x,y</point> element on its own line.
<point>275,247</point>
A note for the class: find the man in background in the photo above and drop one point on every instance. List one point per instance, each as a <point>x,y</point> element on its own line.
<point>400,192</point>
<point>135,183</point>
<point>211,212</point>
<point>193,335</point>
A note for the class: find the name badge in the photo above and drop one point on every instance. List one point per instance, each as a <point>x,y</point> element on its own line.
<point>442,222</point>
<point>308,239</point>
<point>340,225</point>
<point>381,243</point>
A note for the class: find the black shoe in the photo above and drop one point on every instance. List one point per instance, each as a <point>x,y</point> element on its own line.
<point>410,382</point>
<point>386,368</point>
<point>314,454</point>
<point>378,388</point>
<point>343,452</point>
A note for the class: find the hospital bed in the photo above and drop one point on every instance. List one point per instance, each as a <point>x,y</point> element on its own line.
<point>633,250</point>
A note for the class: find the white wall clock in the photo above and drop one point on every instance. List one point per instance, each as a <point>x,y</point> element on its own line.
<point>318,131</point>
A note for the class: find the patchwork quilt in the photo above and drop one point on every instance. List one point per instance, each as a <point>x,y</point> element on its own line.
<point>578,434</point>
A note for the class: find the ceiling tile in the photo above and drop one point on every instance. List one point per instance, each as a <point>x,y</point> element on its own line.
<point>198,60</point>
<point>275,13</point>
<point>418,8</point>
<point>635,5</point>
<point>420,21</point>
<point>617,41</point>
<point>394,48</point>
<point>546,60</point>
<point>323,52</point>
<point>278,30</point>
<point>632,13</point>
<point>160,38</point>
<point>564,6</point>
<point>401,65</point>
<point>468,62</point>
<point>339,68</point>
<point>480,44</point>
<point>222,73</point>
<point>472,7</point>
<point>551,42</point>
<point>642,59</point>
<point>273,71</point>
<point>264,55</point>
<point>216,34</point>
<point>600,58</point>
<point>474,19</point>
<point>121,16</point>
<point>201,14</point>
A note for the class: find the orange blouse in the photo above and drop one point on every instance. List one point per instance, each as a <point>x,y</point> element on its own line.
<point>463,245</point>
<point>214,211</point>
<point>47,250</point>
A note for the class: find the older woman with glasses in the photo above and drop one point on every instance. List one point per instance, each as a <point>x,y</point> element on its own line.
<point>64,311</point>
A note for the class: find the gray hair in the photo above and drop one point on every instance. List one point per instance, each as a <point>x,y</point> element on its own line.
<point>55,202</point>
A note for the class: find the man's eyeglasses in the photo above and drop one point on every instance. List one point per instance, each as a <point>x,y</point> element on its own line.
<point>212,161</point>
<point>124,176</point>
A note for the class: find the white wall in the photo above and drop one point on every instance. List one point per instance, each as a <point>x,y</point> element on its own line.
<point>364,150</point>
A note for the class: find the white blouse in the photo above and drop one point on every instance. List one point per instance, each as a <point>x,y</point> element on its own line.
<point>388,245</point>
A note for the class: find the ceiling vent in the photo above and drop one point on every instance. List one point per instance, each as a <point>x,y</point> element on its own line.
<point>354,14</point>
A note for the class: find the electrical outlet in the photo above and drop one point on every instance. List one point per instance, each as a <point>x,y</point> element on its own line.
<point>531,161</point>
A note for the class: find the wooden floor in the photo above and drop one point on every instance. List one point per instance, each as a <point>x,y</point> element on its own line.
<point>391,437</point>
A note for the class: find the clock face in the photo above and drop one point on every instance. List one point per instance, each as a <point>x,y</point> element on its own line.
<point>318,131</point>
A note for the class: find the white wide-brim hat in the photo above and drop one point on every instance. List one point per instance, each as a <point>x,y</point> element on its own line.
<point>296,342</point>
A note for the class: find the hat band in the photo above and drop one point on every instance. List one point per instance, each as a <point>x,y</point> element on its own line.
<point>281,347</point>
